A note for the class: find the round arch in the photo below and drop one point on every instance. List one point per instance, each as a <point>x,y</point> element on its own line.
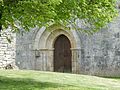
<point>53,35</point>
<point>44,38</point>
<point>44,43</point>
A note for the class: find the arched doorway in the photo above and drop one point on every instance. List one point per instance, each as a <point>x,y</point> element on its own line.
<point>62,54</point>
<point>44,49</point>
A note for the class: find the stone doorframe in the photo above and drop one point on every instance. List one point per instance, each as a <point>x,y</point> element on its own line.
<point>44,43</point>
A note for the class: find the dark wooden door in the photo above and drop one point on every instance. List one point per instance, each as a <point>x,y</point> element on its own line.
<point>62,55</point>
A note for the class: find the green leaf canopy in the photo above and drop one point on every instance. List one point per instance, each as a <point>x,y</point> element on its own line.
<point>30,13</point>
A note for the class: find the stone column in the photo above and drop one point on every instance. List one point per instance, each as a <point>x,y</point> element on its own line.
<point>50,66</point>
<point>76,57</point>
<point>40,61</point>
<point>44,59</point>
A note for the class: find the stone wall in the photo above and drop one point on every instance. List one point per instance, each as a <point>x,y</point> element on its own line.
<point>100,53</point>
<point>97,54</point>
<point>7,49</point>
<point>25,55</point>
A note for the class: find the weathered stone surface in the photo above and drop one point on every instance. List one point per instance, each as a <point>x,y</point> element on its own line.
<point>97,54</point>
<point>7,50</point>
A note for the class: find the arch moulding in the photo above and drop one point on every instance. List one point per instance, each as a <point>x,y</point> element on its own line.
<point>44,43</point>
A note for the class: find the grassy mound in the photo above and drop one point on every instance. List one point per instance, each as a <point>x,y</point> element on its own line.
<point>38,80</point>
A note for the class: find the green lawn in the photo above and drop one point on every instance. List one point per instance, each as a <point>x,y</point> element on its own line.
<point>38,80</point>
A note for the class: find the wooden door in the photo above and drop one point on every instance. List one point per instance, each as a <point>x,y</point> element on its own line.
<point>62,54</point>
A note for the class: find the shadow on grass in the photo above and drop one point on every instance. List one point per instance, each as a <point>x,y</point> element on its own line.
<point>118,78</point>
<point>27,84</point>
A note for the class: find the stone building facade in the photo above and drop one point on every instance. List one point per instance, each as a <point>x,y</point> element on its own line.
<point>97,54</point>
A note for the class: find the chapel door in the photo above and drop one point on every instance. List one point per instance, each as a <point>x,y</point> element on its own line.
<point>62,55</point>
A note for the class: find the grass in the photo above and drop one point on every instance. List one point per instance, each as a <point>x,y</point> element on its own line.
<point>38,80</point>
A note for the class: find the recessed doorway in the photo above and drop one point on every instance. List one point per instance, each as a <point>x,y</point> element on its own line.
<point>62,55</point>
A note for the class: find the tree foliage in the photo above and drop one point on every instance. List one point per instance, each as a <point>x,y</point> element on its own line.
<point>30,13</point>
